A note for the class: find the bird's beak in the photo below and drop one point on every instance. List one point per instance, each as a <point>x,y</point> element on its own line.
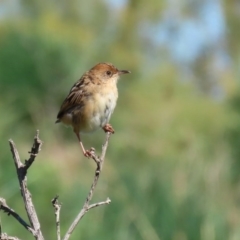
<point>123,72</point>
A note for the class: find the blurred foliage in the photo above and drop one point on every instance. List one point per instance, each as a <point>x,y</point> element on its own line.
<point>172,168</point>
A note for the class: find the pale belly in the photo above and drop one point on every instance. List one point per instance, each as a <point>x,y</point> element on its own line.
<point>100,113</point>
<point>94,114</point>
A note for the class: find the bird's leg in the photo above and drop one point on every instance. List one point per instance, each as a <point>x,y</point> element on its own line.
<point>86,153</point>
<point>108,128</point>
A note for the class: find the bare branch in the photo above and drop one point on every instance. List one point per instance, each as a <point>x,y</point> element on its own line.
<point>108,201</point>
<point>99,162</point>
<point>9,211</point>
<point>36,148</point>
<point>4,236</point>
<point>21,172</point>
<point>57,207</point>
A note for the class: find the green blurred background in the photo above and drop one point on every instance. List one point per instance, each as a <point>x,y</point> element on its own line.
<point>173,167</point>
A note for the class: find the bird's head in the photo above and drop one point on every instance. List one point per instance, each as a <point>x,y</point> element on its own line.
<point>107,72</point>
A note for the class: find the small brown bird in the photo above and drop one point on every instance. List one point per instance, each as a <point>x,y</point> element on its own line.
<point>91,101</point>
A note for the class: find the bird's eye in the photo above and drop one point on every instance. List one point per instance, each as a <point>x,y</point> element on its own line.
<point>108,73</point>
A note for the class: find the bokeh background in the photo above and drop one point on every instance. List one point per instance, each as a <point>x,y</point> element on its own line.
<point>173,167</point>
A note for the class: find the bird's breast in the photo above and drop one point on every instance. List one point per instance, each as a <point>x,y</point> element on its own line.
<point>99,110</point>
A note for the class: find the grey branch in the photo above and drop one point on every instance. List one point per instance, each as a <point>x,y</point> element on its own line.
<point>108,201</point>
<point>21,169</point>
<point>5,208</point>
<point>36,148</point>
<point>57,207</point>
<point>99,162</point>
<point>4,236</point>
<point>22,172</point>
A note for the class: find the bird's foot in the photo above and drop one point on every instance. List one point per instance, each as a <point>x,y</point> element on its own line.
<point>89,153</point>
<point>108,128</point>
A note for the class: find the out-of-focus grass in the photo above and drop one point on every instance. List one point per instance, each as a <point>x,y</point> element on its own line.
<point>169,167</point>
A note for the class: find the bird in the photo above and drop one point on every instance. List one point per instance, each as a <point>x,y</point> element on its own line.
<point>91,101</point>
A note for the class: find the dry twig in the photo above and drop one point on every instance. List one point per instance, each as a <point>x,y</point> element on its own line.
<point>34,226</point>
<point>57,207</point>
<point>4,236</point>
<point>22,172</point>
<point>99,162</point>
<point>9,211</point>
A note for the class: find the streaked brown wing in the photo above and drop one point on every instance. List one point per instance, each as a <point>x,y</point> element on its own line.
<point>74,98</point>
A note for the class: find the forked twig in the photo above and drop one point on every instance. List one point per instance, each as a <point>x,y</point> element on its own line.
<point>86,207</point>
<point>34,226</point>
<point>22,172</point>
